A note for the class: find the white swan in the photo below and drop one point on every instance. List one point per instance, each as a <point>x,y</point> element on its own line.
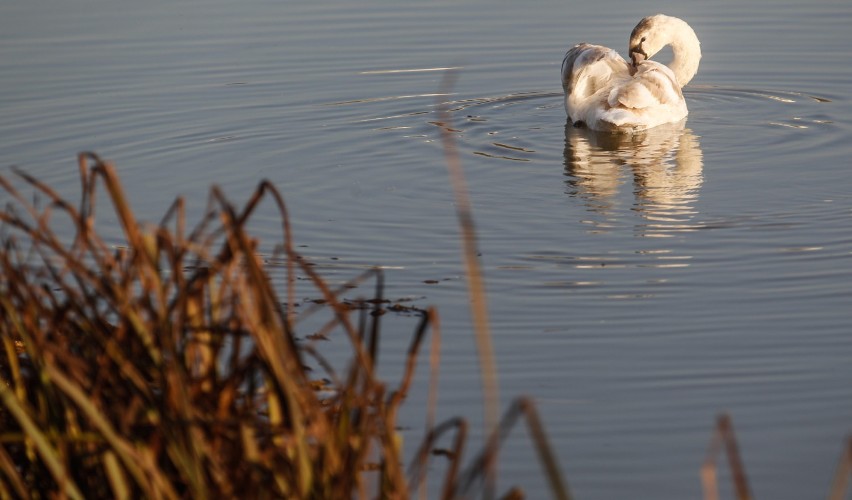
<point>605,92</point>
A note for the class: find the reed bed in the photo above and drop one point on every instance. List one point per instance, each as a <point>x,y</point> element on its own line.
<point>170,368</point>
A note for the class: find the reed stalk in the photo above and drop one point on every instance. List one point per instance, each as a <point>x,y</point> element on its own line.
<point>170,368</point>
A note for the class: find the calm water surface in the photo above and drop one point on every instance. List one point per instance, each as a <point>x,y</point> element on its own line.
<point>637,286</point>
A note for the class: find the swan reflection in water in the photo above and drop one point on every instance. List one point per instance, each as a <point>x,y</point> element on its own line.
<point>665,165</point>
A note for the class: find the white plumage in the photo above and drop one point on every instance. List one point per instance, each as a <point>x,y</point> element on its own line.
<point>605,92</point>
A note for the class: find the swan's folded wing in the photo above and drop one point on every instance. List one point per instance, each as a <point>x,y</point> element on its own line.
<point>587,68</point>
<point>653,84</point>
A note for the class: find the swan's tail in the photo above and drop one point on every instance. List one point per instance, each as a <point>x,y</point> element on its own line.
<point>621,120</point>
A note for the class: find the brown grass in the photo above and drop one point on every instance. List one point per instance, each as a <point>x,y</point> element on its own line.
<point>170,368</point>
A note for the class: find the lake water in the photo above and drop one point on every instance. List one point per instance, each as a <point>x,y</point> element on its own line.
<point>637,286</point>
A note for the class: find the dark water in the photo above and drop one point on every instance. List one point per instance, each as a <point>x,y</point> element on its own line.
<point>637,286</point>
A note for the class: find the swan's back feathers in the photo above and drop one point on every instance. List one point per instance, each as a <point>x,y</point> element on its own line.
<point>604,94</point>
<point>652,85</point>
<point>588,68</point>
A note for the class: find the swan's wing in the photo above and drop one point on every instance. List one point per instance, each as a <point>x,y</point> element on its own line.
<point>652,85</point>
<point>588,68</point>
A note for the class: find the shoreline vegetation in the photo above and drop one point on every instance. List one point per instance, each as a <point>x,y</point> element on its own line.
<point>170,368</point>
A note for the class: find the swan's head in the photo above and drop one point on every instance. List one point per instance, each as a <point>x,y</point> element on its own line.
<point>646,39</point>
<point>655,32</point>
<point>651,35</point>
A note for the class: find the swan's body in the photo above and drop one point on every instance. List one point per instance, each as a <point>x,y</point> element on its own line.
<point>605,92</point>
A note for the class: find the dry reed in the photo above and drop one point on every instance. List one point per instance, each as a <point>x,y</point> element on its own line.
<point>170,368</point>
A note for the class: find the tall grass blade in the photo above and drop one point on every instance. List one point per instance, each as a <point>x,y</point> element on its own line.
<point>117,479</point>
<point>476,284</point>
<point>150,480</point>
<point>844,470</point>
<point>723,436</point>
<point>8,468</point>
<point>51,457</point>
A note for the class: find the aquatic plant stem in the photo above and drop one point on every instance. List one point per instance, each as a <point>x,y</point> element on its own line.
<point>723,436</point>
<point>844,471</point>
<point>476,285</point>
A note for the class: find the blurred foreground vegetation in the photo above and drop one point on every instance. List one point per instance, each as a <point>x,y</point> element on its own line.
<point>170,368</point>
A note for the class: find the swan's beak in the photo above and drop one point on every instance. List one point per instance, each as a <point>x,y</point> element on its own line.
<point>637,55</point>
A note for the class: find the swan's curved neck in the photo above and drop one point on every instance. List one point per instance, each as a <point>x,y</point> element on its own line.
<point>686,50</point>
